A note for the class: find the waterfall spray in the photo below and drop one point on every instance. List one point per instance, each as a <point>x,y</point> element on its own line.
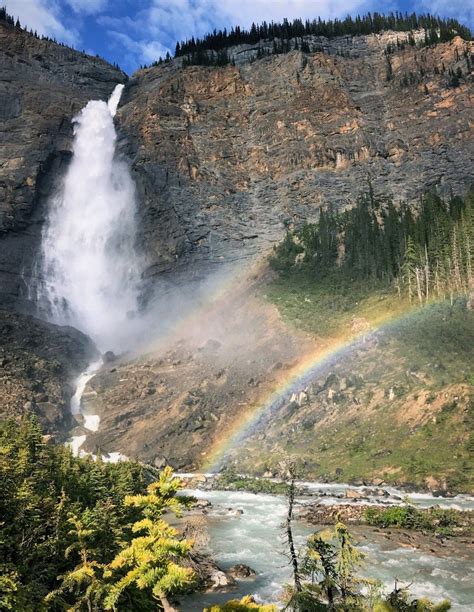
<point>90,271</point>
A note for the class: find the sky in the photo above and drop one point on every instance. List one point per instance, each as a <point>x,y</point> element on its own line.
<point>136,32</point>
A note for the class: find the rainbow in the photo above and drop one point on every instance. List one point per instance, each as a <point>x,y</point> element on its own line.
<point>222,299</point>
<point>295,380</point>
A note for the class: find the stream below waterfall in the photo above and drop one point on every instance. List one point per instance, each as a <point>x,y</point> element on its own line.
<point>255,538</point>
<point>91,421</point>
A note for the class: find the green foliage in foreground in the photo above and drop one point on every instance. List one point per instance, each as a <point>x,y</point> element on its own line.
<point>246,604</point>
<point>435,520</point>
<point>82,534</point>
<point>78,534</point>
<point>330,581</point>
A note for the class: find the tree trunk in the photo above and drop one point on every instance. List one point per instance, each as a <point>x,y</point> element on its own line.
<point>289,533</point>
<point>418,285</point>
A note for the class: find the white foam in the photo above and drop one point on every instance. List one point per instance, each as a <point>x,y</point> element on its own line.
<point>75,443</point>
<point>91,422</point>
<point>114,457</point>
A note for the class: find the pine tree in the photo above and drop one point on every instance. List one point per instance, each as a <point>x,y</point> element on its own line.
<point>85,581</point>
<point>153,560</point>
<point>408,269</point>
<point>348,560</point>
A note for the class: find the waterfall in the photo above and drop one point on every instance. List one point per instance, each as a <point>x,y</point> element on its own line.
<point>89,269</point>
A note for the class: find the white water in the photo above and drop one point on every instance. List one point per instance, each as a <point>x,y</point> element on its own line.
<point>90,270</point>
<point>255,538</point>
<point>91,421</point>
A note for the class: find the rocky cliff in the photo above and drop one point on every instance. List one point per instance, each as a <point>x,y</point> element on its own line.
<point>42,86</point>
<point>224,158</point>
<point>38,365</point>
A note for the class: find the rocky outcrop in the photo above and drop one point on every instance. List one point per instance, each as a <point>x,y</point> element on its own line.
<point>42,86</point>
<point>225,158</point>
<point>38,365</point>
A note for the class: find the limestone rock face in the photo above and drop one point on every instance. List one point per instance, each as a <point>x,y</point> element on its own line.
<point>42,86</point>
<point>225,158</point>
<point>38,365</point>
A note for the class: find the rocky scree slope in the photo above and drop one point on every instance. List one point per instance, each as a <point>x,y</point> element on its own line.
<point>397,407</point>
<point>225,157</point>
<point>176,401</point>
<point>42,86</point>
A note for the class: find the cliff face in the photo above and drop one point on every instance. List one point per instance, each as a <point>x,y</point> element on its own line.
<point>42,86</point>
<point>224,158</point>
<point>38,365</point>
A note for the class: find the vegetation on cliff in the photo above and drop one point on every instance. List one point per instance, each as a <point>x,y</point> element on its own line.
<point>213,49</point>
<point>424,251</point>
<point>78,533</point>
<point>374,261</point>
<point>196,50</point>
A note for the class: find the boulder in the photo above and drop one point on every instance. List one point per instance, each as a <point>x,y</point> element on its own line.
<point>220,580</point>
<point>160,462</point>
<point>241,572</point>
<point>109,357</point>
<point>201,504</point>
<point>353,494</point>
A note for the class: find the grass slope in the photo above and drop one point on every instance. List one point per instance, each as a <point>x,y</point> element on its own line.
<point>400,408</point>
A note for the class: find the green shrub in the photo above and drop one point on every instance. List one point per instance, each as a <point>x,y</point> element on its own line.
<point>408,517</point>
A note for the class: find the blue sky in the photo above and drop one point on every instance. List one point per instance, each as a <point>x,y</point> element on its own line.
<point>135,32</point>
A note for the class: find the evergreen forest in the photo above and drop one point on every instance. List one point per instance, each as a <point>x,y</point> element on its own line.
<point>424,250</point>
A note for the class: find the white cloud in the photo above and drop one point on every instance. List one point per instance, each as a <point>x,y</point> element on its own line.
<point>146,51</point>
<point>44,16</point>
<point>88,7</point>
<point>458,9</point>
<point>243,12</point>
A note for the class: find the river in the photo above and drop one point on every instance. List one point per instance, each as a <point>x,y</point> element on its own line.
<point>256,539</point>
